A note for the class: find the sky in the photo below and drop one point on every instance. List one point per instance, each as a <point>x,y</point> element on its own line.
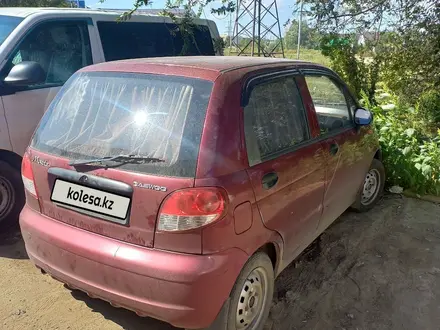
<point>285,9</point>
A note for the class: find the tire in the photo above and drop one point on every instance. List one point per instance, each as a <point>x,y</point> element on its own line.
<point>364,201</point>
<point>257,269</point>
<point>12,196</point>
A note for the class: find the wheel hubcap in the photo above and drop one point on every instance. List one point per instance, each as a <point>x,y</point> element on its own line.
<point>252,300</point>
<point>371,187</point>
<point>7,198</point>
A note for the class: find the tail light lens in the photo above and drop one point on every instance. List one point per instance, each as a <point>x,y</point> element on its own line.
<point>192,208</point>
<point>27,175</point>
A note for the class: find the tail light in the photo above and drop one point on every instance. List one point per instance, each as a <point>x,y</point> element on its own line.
<point>27,175</point>
<point>192,208</point>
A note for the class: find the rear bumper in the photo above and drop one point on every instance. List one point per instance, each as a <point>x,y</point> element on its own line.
<point>187,291</point>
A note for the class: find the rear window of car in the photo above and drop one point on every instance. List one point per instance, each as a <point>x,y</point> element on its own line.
<point>103,114</point>
<point>124,40</point>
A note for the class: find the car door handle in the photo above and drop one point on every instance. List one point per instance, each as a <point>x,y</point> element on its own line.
<point>269,180</point>
<point>334,148</point>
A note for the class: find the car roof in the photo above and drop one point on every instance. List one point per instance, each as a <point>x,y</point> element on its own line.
<point>214,63</point>
<point>27,11</point>
<point>207,67</point>
<point>17,11</point>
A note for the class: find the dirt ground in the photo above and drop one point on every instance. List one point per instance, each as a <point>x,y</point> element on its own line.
<point>379,270</point>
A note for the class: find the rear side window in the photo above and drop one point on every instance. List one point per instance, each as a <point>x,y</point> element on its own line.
<point>274,120</point>
<point>126,40</point>
<point>330,103</point>
<point>102,114</point>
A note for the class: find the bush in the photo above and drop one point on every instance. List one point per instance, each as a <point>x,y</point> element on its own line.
<point>356,64</point>
<point>428,110</point>
<point>411,158</point>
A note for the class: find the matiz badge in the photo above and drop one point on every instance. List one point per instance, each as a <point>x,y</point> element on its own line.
<point>40,161</point>
<point>149,186</point>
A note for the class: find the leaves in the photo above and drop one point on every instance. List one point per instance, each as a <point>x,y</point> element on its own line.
<point>310,36</point>
<point>402,38</point>
<point>224,9</point>
<point>406,150</point>
<point>426,169</point>
<point>409,132</point>
<point>412,159</point>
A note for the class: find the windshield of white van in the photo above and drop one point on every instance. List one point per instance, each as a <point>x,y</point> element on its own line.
<point>7,25</point>
<point>103,114</point>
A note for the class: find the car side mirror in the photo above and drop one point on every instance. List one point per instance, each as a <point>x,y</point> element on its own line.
<point>25,74</point>
<point>363,117</point>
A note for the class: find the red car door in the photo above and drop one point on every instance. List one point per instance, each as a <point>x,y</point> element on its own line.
<point>286,168</point>
<point>347,161</point>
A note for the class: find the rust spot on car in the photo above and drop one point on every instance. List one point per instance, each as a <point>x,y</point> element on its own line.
<point>151,221</point>
<point>91,227</point>
<point>72,265</point>
<point>132,238</point>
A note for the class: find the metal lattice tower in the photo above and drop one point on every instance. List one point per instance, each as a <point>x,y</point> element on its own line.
<point>257,30</point>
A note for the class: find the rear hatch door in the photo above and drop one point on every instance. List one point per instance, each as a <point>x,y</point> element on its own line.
<point>153,122</point>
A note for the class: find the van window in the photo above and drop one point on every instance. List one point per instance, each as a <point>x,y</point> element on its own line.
<point>100,114</point>
<point>61,48</point>
<point>126,40</point>
<point>7,25</point>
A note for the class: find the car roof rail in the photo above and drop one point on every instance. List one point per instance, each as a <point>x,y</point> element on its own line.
<point>177,12</point>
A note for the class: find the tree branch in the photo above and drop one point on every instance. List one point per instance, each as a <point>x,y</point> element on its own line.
<point>352,15</point>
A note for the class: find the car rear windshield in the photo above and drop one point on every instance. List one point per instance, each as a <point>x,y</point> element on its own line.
<point>7,25</point>
<point>102,114</point>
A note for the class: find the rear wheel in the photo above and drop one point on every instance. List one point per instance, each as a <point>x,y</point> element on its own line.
<point>250,299</point>
<point>372,187</point>
<point>11,195</point>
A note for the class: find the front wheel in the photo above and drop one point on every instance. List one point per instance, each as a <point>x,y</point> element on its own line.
<point>372,187</point>
<point>250,299</point>
<point>11,195</point>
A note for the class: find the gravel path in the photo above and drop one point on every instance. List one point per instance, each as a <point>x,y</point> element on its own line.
<point>379,270</point>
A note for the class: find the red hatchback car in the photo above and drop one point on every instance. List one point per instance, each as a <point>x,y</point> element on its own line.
<point>179,188</point>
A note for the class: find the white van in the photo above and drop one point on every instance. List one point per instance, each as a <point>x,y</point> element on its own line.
<point>40,48</point>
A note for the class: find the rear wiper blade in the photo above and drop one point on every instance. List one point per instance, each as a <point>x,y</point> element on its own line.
<point>124,159</point>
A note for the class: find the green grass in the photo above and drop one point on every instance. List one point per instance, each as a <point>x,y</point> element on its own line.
<point>311,55</point>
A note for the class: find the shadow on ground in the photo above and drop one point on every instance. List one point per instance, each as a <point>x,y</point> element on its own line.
<point>126,319</point>
<point>12,244</point>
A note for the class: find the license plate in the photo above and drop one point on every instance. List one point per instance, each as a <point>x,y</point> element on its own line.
<point>85,198</point>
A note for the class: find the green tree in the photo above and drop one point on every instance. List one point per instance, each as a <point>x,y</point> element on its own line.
<point>224,7</point>
<point>405,51</point>
<point>411,62</point>
<point>310,37</point>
